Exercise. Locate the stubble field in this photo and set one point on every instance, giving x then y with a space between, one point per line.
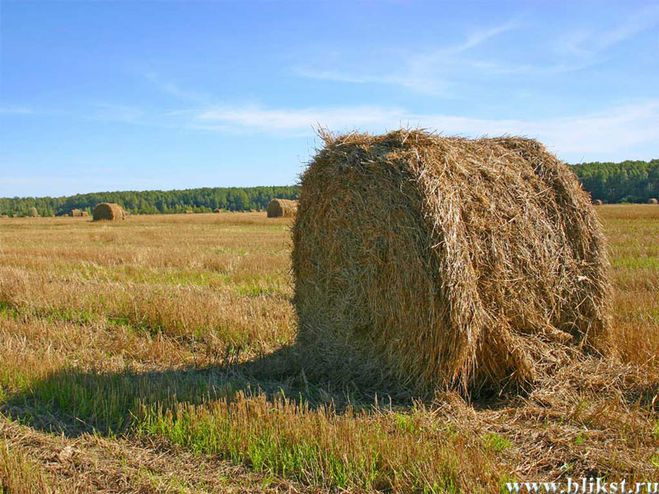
157 355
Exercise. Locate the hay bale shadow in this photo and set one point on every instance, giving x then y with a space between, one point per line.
74 402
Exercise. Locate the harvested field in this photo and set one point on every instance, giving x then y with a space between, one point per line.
159 355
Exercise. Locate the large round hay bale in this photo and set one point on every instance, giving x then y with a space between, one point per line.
597 202
436 262
108 211
282 207
653 201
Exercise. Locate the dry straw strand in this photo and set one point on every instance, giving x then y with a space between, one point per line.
435 262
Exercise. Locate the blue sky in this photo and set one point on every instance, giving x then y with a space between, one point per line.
101 96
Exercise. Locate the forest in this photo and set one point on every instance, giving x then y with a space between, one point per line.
627 181
202 200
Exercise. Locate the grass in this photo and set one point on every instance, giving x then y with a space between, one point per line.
19 474
161 350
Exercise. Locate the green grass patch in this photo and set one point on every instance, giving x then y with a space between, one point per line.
496 443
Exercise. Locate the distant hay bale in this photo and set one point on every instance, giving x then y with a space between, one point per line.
108 211
76 212
653 201
218 210
33 212
84 213
282 207
597 202
436 262
189 211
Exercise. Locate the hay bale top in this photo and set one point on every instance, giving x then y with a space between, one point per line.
597 202
282 208
653 201
438 262
108 211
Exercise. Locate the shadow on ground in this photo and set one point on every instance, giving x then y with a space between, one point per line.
73 402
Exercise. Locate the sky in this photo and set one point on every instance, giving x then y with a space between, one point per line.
104 95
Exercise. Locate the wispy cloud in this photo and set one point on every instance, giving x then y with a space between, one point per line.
173 89
289 121
114 112
434 71
15 110
479 37
587 46
425 72
605 132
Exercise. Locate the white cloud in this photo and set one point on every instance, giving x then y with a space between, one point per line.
294 121
615 130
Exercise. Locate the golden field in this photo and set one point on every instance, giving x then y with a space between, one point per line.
157 355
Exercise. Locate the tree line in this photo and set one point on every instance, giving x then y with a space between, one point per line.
628 181
203 200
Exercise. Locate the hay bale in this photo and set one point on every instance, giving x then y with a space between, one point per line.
653 201
33 212
597 202
108 211
436 262
282 208
84 213
189 211
218 210
76 212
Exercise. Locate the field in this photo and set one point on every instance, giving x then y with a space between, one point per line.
157 355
